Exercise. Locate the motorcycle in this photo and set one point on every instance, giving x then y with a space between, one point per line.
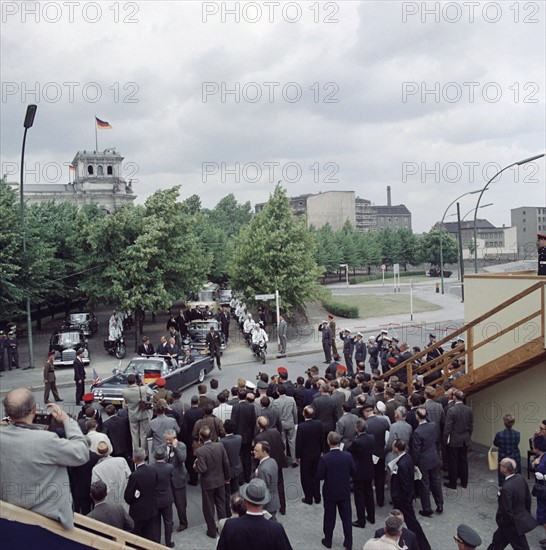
260 351
116 347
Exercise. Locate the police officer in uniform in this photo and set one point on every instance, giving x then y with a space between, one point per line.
13 351
3 342
541 253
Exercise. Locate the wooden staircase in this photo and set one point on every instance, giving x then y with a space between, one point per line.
479 376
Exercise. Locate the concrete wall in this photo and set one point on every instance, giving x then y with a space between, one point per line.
483 293
523 395
333 207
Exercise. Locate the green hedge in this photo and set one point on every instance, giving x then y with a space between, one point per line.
379 276
341 310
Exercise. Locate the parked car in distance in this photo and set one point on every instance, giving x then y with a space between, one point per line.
434 271
149 369
87 322
225 296
65 342
207 296
198 330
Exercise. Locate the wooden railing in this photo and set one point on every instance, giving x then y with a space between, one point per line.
88 532
464 352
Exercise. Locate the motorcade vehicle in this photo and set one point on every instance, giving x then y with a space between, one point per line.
198 330
148 370
206 296
86 321
66 342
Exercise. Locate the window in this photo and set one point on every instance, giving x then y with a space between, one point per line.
110 171
90 170
100 170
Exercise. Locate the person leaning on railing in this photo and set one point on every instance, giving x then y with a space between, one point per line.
33 474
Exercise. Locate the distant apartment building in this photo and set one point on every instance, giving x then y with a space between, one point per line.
336 207
528 221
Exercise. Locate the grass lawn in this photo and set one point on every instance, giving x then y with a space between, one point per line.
385 304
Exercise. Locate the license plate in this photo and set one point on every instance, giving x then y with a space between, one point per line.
116 401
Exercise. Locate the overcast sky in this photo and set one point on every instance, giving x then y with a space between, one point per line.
430 98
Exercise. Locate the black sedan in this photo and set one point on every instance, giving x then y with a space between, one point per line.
149 369
65 342
198 330
87 322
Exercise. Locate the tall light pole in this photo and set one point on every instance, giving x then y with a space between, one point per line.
519 163
442 230
29 121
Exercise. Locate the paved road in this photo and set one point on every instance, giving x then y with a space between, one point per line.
475 506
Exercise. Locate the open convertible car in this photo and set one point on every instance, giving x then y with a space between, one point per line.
149 369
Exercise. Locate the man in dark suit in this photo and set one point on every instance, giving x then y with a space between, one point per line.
146 349
308 451
164 495
244 416
192 415
276 450
117 430
140 495
214 345
457 435
223 319
175 452
406 539
425 456
111 513
326 412
362 450
212 463
402 486
348 350
513 517
377 426
327 337
232 445
252 530
163 348
336 469
79 376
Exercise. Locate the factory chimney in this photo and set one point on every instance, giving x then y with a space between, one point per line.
388 195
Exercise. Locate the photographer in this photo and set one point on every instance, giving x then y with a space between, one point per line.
33 473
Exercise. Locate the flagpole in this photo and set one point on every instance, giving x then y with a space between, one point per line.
96 138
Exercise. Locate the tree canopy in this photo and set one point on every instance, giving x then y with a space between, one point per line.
275 251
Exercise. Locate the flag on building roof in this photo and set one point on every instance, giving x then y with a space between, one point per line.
102 124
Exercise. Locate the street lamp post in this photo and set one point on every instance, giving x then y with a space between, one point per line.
442 230
519 163
29 121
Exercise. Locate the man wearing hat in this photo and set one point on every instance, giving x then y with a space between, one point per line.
541 238
162 393
434 353
327 338
348 349
79 375
252 531
50 383
333 329
467 538
360 349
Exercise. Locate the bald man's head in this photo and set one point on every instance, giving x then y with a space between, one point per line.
18 404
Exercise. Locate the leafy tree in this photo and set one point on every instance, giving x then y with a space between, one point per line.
430 247
11 290
348 246
389 246
276 252
145 256
328 253
230 216
406 248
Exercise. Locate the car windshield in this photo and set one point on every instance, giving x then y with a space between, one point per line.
206 296
142 366
204 325
78 317
67 338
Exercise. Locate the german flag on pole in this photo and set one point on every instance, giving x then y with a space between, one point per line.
102 124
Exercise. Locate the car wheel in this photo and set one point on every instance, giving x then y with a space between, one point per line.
201 376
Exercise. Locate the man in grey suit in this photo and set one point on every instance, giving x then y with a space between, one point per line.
288 413
399 430
138 419
113 514
232 445
283 326
175 451
160 424
212 463
268 470
345 426
32 458
513 517
425 457
457 435
435 413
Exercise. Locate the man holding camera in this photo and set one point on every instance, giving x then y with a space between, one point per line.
34 464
